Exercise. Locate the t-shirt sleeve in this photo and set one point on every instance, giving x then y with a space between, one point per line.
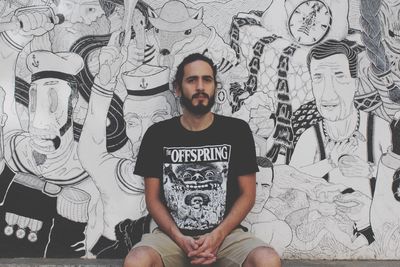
148 162
244 161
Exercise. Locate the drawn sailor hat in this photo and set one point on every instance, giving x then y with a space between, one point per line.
146 80
174 16
46 64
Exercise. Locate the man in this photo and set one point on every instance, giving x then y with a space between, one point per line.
192 154
343 147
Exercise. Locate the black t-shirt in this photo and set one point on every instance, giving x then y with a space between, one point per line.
198 169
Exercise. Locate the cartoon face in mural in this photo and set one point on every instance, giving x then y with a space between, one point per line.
83 11
175 26
82 18
333 86
52 96
149 101
263 186
50 109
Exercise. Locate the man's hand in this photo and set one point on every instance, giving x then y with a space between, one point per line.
187 243
208 247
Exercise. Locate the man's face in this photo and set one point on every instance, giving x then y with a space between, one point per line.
197 90
141 114
333 87
49 104
263 188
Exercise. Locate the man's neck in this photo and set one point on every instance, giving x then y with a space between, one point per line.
342 129
196 123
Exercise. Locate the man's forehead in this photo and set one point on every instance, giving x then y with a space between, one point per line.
197 68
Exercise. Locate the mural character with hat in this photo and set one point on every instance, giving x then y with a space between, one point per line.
45 158
148 100
180 31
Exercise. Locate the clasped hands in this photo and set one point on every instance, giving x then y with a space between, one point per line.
201 250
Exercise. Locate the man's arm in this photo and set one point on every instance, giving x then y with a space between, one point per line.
161 216
209 243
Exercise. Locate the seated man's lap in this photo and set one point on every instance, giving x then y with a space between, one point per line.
232 253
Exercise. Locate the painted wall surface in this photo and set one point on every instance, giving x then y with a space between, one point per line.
82 80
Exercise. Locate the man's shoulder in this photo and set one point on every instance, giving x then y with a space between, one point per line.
164 125
231 121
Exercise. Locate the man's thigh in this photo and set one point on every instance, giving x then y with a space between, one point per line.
236 247
171 254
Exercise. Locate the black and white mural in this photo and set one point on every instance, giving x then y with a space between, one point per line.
318 81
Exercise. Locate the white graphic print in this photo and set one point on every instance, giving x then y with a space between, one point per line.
195 180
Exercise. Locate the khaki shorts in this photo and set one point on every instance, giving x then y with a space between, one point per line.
232 253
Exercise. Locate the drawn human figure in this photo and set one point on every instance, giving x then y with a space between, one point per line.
179 31
260 220
346 145
45 158
386 201
148 100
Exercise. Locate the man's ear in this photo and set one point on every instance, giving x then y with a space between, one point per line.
177 89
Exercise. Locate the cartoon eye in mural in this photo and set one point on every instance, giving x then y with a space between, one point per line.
32 97
310 22
53 100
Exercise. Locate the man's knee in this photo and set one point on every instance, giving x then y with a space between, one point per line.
143 257
262 256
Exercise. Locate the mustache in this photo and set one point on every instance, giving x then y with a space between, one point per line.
200 94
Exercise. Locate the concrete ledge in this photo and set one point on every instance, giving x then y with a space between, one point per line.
28 262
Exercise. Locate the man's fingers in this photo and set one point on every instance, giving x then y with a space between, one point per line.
203 260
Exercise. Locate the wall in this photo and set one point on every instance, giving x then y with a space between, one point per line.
67 188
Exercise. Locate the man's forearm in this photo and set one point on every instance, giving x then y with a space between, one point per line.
236 215
162 217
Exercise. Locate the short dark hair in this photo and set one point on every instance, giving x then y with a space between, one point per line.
334 47
177 82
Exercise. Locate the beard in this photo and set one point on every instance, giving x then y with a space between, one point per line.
66 34
199 109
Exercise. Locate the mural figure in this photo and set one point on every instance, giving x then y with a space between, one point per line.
46 158
342 148
148 100
180 31
261 221
343 145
